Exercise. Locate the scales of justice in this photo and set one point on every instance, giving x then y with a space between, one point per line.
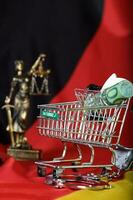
39 77
17 106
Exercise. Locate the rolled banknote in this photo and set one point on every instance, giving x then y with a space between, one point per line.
116 90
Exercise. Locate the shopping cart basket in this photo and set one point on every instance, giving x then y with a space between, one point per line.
87 121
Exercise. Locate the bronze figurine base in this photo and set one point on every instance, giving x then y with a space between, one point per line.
24 154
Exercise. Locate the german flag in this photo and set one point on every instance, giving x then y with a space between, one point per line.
85 42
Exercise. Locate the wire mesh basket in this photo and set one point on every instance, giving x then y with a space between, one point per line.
86 121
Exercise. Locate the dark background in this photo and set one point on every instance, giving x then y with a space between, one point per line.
60 29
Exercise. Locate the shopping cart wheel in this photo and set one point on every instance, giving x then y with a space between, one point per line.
41 171
104 171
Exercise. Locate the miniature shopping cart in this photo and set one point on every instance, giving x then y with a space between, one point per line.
87 121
